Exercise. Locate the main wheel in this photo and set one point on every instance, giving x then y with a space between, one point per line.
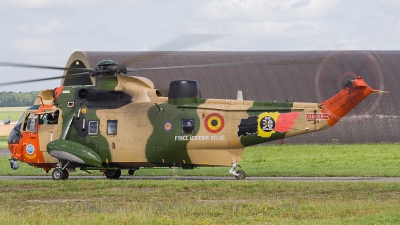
117 174
112 174
57 174
240 175
66 174
131 172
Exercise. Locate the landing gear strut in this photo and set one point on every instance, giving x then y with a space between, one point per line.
131 171
240 174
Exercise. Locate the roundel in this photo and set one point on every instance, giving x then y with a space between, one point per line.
214 123
30 149
168 126
267 123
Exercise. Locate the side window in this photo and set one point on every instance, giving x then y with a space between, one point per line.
111 127
31 122
187 126
93 127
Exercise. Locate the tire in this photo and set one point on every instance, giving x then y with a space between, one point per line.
66 174
241 175
112 174
57 174
117 174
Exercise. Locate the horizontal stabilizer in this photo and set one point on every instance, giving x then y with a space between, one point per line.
380 92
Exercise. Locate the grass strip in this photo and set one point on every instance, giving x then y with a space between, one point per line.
198 202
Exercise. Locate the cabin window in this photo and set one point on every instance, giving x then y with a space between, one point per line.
93 127
111 127
187 126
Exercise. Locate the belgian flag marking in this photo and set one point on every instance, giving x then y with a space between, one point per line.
214 123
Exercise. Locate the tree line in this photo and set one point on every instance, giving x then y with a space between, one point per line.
17 99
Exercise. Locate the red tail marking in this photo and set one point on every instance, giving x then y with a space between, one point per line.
344 101
286 121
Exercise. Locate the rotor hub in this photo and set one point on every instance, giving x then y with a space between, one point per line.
106 63
107 68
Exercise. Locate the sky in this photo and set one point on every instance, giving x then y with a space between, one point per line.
47 32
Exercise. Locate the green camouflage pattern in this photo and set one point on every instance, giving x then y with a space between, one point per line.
151 129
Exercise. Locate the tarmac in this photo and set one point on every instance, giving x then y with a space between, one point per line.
5 152
206 178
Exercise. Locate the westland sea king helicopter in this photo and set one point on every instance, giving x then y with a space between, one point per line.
124 123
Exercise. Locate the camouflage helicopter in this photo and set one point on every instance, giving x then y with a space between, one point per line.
124 123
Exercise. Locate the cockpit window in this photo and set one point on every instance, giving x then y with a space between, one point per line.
49 118
31 121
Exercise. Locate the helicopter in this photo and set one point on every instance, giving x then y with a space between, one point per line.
124 123
7 121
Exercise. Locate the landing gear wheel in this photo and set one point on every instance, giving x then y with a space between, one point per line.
112 174
131 172
241 175
57 174
66 174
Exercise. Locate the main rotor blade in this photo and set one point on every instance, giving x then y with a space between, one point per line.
216 65
44 79
44 67
174 45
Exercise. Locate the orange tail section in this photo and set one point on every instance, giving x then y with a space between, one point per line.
344 101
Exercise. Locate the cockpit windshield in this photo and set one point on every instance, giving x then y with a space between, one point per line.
15 133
